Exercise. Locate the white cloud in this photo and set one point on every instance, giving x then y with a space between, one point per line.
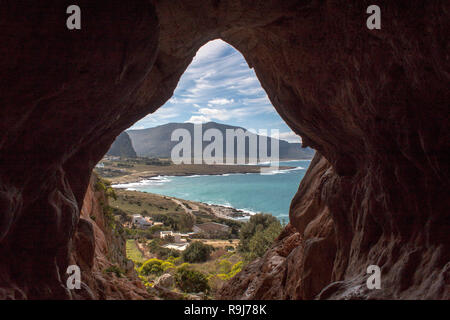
257 100
218 86
221 101
213 49
218 114
289 136
198 119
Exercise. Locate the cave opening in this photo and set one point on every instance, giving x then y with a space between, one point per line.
217 98
218 95
221 97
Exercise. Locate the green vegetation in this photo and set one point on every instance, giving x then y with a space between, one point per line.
164 209
105 186
207 277
133 253
157 162
258 234
189 280
124 165
176 221
229 270
155 247
152 266
114 269
206 215
197 251
146 204
199 268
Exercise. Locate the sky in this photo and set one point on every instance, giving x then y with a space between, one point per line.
219 86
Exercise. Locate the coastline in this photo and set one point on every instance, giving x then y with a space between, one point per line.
189 207
190 170
130 181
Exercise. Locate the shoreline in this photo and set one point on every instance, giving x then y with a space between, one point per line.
138 177
193 208
128 183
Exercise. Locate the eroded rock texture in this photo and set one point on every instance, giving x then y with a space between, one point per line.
374 103
99 249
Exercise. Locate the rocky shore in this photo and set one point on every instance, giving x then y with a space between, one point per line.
133 176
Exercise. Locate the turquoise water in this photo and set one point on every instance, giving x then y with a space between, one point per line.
251 192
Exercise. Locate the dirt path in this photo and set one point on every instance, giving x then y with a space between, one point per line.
144 251
186 209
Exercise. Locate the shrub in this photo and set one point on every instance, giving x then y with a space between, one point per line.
191 280
167 265
232 271
114 269
105 186
184 265
237 267
261 241
258 234
174 260
225 266
151 266
197 252
162 253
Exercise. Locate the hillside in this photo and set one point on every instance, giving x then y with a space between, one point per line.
122 147
99 249
156 142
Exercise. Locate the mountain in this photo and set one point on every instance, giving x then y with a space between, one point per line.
156 142
122 147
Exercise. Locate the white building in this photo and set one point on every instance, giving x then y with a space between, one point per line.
163 234
176 246
141 222
178 237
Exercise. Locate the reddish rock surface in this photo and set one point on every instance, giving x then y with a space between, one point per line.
97 247
274 276
374 103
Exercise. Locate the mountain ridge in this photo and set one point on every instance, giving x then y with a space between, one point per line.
156 141
122 147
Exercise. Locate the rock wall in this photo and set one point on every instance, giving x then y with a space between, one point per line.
373 103
97 247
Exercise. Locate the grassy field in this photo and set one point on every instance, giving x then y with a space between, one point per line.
133 252
147 204
221 243
212 265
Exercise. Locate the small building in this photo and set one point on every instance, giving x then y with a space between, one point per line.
163 234
212 229
176 246
100 165
178 237
141 222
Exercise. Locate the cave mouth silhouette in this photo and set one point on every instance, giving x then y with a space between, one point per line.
369 101
217 90
218 87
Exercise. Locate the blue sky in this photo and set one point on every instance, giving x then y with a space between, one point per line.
219 86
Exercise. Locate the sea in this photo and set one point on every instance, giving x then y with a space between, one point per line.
252 193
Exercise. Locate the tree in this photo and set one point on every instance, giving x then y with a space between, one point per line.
256 223
258 234
197 251
191 280
151 266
